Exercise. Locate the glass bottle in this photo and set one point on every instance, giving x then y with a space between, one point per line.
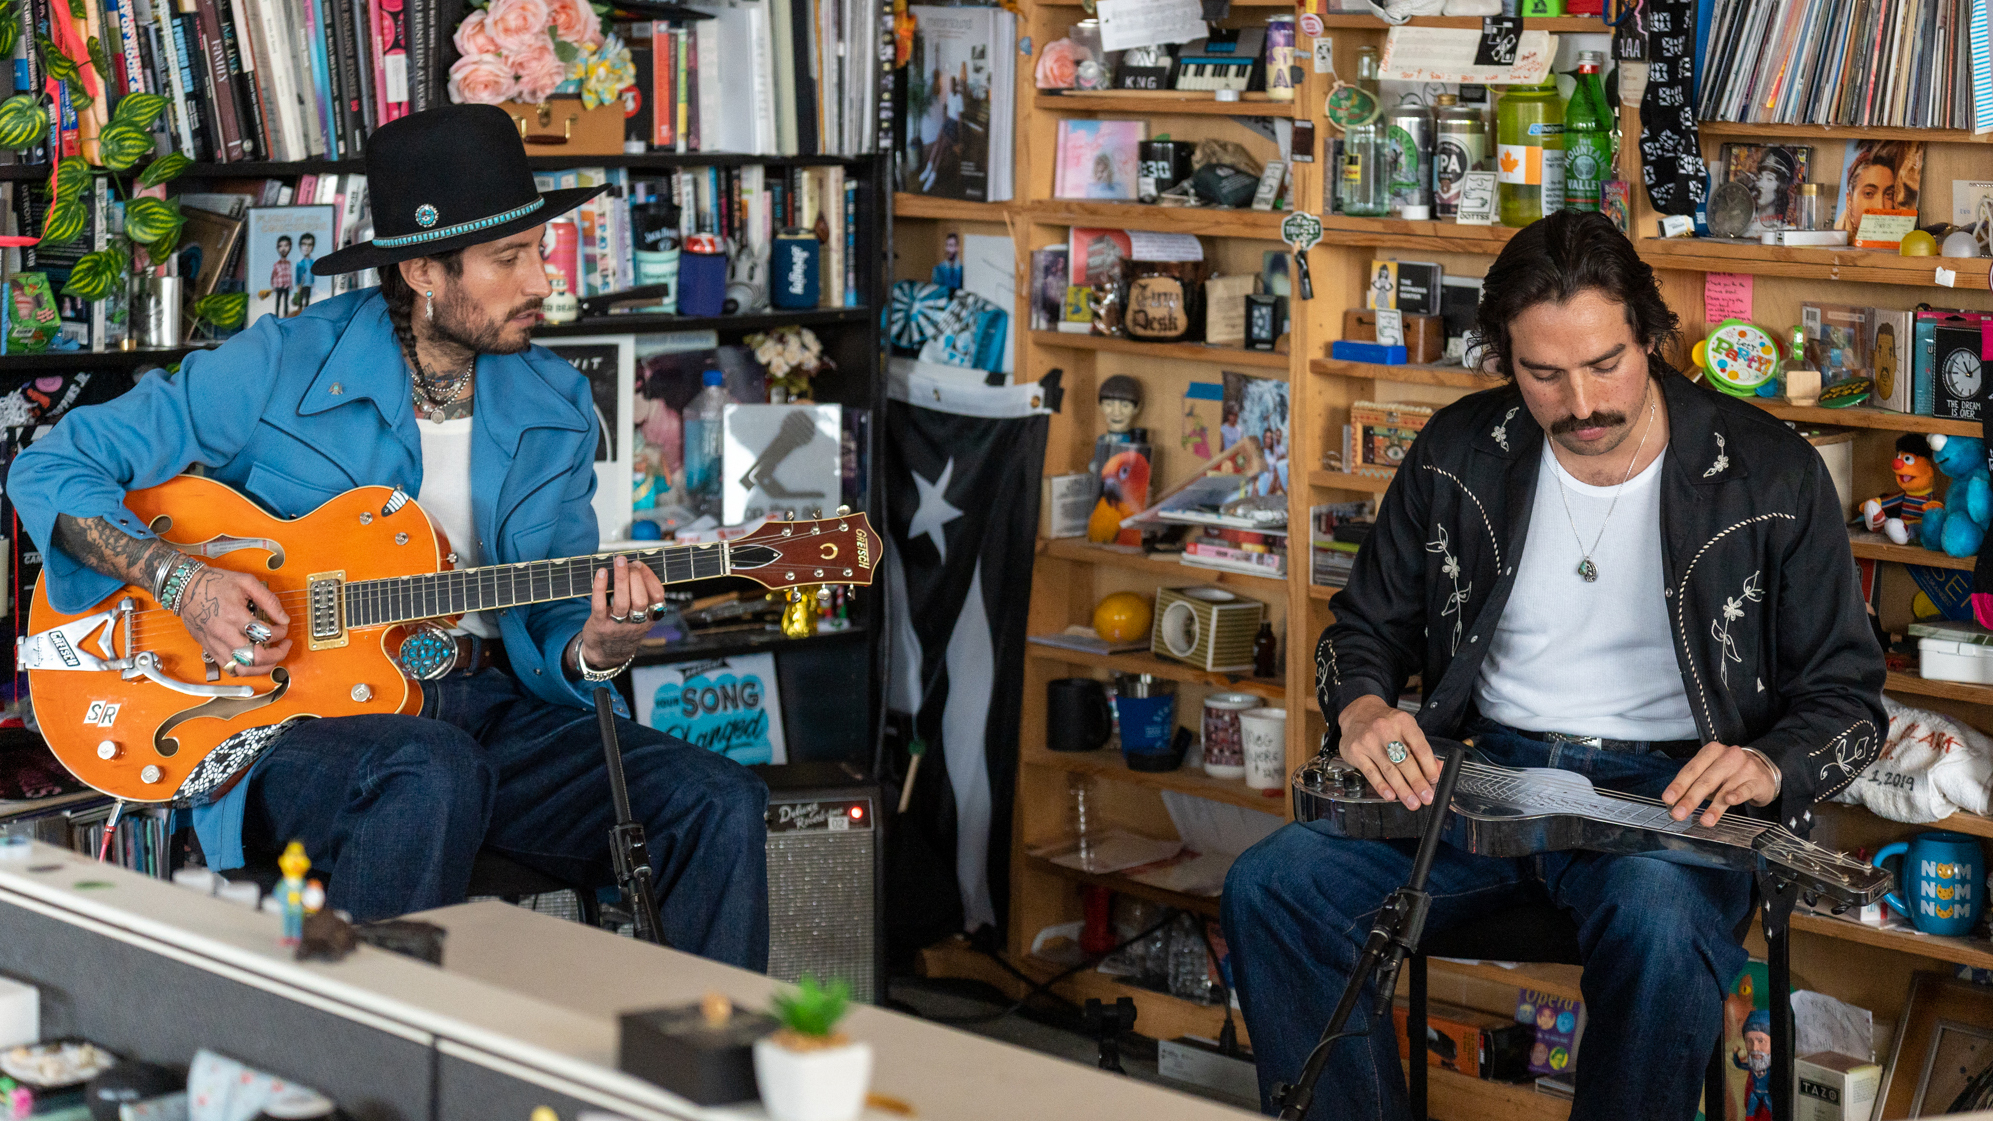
1588 129
1529 152
1364 186
1809 206
1266 651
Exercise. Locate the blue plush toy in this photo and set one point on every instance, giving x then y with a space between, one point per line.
1960 525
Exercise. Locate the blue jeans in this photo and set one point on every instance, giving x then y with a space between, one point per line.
1657 939
394 808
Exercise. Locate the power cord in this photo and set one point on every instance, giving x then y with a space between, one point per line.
1044 988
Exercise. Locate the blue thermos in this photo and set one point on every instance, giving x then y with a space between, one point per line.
795 271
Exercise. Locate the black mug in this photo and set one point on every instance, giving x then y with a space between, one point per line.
1076 715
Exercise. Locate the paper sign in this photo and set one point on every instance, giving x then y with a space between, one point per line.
1884 229
1477 199
1726 295
1325 56
1390 327
1145 23
1945 277
731 706
1446 54
1146 245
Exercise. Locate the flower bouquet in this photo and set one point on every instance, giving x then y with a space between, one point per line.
550 65
792 356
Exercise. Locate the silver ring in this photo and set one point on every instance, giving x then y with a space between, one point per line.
256 632
657 610
1395 752
243 655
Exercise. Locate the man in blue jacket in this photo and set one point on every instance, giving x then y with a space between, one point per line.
431 383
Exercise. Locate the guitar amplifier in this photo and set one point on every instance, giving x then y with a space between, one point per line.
826 863
1224 60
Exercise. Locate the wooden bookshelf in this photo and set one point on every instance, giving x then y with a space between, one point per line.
1959 822
1157 667
1556 25
1457 377
1188 352
1734 130
1952 690
1434 236
1874 546
1205 221
947 210
1958 951
1108 764
1159 1015
1344 480
1862 416
1163 101
1866 266
1165 567
1195 904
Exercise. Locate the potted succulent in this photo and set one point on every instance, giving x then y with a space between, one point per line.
808 1070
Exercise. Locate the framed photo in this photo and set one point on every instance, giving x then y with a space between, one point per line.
779 458
207 247
1878 175
1772 173
1943 1047
609 362
729 705
283 241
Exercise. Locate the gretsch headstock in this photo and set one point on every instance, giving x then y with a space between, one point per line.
838 550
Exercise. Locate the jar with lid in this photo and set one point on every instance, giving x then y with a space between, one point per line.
1809 206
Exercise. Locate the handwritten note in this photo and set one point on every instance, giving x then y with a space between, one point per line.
1726 295
1446 54
1145 23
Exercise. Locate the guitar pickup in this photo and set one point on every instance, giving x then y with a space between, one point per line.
325 610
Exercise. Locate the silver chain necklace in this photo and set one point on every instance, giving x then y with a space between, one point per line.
435 404
1586 568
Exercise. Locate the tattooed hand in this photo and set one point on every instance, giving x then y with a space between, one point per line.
217 606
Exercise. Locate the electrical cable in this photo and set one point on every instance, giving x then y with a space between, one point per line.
1044 988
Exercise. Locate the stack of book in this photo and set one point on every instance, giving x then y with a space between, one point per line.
1237 550
1893 63
1336 531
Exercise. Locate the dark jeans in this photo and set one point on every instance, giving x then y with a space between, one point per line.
394 808
1656 938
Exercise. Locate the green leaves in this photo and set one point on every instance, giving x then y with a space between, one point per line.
60 66
97 275
139 110
564 50
812 1009
77 9
165 169
150 220
121 145
65 221
10 26
225 310
23 121
69 178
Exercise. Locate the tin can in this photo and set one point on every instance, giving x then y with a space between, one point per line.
560 248
1460 145
1280 58
1408 131
1163 164
795 269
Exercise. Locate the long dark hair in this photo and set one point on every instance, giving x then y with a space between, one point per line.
1554 259
400 297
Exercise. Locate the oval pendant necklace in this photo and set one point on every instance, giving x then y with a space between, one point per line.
1586 568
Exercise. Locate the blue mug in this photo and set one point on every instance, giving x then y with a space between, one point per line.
1147 708
1942 873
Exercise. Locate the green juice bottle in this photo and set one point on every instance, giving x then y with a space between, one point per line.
1588 131
1529 152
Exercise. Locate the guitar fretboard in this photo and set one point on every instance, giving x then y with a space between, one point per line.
407 599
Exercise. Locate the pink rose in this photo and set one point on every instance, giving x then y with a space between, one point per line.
575 21
1058 67
516 25
481 79
539 71
472 38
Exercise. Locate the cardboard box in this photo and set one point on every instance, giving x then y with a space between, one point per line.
1832 1087
1473 1043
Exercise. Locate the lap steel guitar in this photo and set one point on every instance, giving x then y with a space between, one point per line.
129 703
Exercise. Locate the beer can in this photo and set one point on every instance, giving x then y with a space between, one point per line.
1408 131
1162 165
560 249
1280 58
1460 145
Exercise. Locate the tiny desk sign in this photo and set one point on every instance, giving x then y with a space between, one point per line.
1449 54
729 705
1726 295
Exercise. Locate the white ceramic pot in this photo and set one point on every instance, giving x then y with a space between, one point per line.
824 1085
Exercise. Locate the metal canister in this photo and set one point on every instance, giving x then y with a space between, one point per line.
1280 58
1408 131
1460 145
1163 164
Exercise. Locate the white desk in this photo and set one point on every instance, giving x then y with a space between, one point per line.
522 1013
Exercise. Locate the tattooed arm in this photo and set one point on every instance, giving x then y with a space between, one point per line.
215 607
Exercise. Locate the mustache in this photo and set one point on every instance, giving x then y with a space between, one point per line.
1571 424
532 305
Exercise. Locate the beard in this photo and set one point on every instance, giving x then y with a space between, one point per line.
461 322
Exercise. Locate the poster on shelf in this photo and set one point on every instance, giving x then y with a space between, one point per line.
609 363
283 243
729 705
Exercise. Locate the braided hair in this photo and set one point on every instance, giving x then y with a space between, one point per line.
400 297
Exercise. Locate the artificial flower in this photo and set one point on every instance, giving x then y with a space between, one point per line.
1058 66
575 21
517 25
472 38
539 71
484 79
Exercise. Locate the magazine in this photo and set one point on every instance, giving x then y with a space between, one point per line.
960 104
1097 159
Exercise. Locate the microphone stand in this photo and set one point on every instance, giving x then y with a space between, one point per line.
1400 924
626 837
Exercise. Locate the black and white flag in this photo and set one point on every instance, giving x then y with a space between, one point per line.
962 468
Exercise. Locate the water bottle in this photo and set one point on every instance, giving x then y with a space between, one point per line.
705 420
1364 180
1588 130
1529 152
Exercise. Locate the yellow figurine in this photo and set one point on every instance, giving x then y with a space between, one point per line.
290 892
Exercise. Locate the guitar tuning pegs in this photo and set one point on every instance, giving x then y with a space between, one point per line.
844 511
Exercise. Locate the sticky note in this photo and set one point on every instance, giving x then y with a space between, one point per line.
1946 278
1726 295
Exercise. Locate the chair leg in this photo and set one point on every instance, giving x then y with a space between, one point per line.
1415 1034
1713 1079
1779 897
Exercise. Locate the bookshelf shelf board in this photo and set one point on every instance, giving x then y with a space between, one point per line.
1870 266
1158 667
1746 131
1158 1015
1195 904
1162 101
1959 951
729 644
951 210
1428 236
265 169
1207 221
1079 550
1458 377
1959 821
1860 416
1106 763
1877 547
1344 480
1190 352
1322 592
93 359
1950 690
758 321
1570 25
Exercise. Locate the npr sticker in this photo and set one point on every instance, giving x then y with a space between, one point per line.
103 714
729 705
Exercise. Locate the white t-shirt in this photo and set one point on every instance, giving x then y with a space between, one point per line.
1592 659
446 498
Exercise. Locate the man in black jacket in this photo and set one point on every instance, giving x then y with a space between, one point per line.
1658 596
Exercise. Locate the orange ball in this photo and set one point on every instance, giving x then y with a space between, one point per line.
1122 617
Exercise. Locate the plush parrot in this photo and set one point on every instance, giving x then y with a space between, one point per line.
1124 492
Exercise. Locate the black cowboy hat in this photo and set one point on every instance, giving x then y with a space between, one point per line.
444 179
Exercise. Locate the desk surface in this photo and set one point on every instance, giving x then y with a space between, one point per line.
539 997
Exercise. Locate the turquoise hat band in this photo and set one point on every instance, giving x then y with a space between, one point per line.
460 228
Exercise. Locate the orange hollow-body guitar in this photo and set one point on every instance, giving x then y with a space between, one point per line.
130 705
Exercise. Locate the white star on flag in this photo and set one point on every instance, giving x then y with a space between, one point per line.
934 511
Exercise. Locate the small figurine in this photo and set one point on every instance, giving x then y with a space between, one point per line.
1121 461
1120 401
1755 1059
290 891
1893 514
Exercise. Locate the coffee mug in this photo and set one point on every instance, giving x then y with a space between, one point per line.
1265 733
1224 743
1076 716
1147 705
1942 873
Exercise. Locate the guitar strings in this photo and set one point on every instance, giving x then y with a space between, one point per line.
1733 831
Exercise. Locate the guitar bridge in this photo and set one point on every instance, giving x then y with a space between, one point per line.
64 647
325 609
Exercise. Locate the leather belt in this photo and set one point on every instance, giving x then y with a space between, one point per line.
475 654
1676 749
